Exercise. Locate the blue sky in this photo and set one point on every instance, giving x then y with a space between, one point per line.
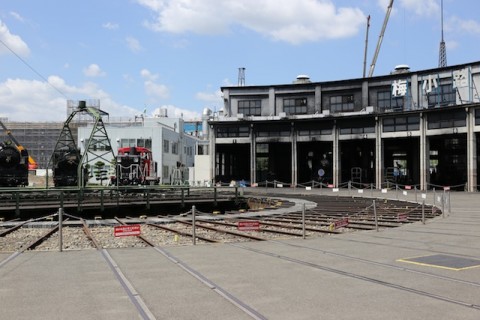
147 54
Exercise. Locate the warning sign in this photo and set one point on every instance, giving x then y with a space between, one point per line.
125 231
252 225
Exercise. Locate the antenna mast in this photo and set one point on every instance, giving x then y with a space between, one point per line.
442 56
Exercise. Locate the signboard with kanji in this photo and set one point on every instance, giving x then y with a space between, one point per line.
127 230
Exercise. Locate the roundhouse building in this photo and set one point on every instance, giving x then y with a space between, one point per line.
416 128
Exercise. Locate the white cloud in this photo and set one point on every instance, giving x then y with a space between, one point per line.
456 24
152 88
421 8
156 89
13 42
17 16
93 70
33 100
214 98
110 26
418 7
175 112
146 74
283 20
133 44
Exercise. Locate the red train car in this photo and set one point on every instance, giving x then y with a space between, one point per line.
135 166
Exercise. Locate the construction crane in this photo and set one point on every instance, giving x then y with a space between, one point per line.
32 164
380 38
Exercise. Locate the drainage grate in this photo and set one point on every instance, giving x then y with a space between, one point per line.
444 261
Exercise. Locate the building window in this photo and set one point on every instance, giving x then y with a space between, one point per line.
447 120
127 143
444 95
314 129
273 131
165 172
357 127
387 102
341 103
145 143
477 117
233 131
175 147
250 107
166 146
396 124
295 106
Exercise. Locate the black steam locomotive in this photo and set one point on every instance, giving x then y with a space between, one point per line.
13 165
65 168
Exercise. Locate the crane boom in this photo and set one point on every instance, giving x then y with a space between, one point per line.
366 47
380 38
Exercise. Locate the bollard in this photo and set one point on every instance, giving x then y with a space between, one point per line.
375 214
449 204
371 188
423 211
148 199
303 220
193 226
434 197
443 206
416 200
60 227
102 208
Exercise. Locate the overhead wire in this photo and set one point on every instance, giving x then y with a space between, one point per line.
33 69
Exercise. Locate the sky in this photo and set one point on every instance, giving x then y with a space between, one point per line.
137 56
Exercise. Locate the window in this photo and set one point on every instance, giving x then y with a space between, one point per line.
250 107
357 127
236 131
146 143
385 101
341 103
274 131
409 123
127 143
315 129
165 172
175 147
444 95
295 106
166 146
447 120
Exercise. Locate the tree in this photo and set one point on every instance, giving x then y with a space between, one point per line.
100 171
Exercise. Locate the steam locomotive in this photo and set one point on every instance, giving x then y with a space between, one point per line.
13 165
135 166
65 167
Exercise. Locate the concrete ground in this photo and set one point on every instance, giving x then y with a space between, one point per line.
416 271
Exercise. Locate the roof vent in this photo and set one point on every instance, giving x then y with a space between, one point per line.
401 68
302 78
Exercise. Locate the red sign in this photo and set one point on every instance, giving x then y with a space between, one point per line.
402 217
340 223
408 187
446 188
248 225
330 185
125 231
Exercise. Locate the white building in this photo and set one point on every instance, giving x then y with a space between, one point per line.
172 149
